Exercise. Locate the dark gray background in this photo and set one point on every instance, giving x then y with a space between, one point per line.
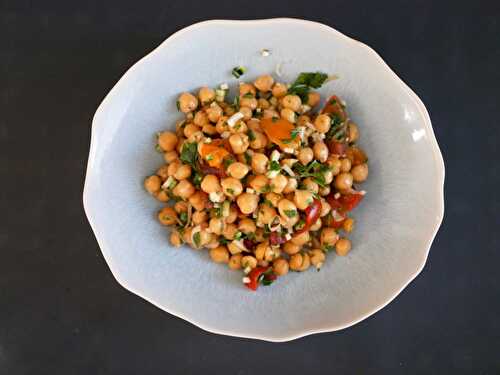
61 311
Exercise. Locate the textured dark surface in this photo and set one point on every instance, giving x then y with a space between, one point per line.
61 311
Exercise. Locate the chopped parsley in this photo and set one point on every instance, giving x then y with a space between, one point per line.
251 135
290 213
238 235
227 162
189 154
183 217
275 119
197 239
293 136
274 166
248 158
328 248
223 241
230 191
238 71
337 129
248 95
158 148
210 157
305 81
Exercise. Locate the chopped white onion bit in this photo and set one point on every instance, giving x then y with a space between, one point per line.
250 190
275 155
170 180
272 174
216 196
265 52
246 280
235 118
288 170
288 236
336 195
224 86
225 134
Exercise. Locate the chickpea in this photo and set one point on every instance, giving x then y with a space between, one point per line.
210 184
288 210
249 261
348 225
313 98
263 103
292 102
310 185
247 88
199 217
247 226
328 236
279 89
302 199
254 124
259 140
214 112
233 248
270 113
175 239
264 83
280 267
198 200
328 175
251 103
231 186
305 155
235 262
229 231
289 115
152 184
343 246
263 251
246 112
229 111
180 206
209 129
239 143
334 163
167 141
301 238
259 163
184 189
273 198
322 123
162 172
216 225
167 216
183 172
343 181
291 186
221 125
219 254
190 130
259 235
237 170
278 183
302 120
233 215
352 132
316 226
345 165
324 191
259 183
200 119
180 143
320 151
360 172
213 244
247 202
317 257
290 248
299 262
186 236
265 215
162 196
172 168
187 102
170 156
206 95
325 208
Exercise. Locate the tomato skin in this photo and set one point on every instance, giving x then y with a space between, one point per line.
337 148
254 277
344 203
313 212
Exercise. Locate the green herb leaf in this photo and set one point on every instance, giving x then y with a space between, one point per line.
223 241
248 95
274 166
158 148
328 248
251 135
238 235
178 104
290 213
268 202
183 217
305 81
275 119
230 191
248 158
228 161
197 178
189 154
197 239
238 71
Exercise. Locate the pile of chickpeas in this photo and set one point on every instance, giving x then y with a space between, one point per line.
233 209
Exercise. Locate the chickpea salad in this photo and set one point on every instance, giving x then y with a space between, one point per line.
265 182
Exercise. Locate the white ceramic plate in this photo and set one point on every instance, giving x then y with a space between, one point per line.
396 222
